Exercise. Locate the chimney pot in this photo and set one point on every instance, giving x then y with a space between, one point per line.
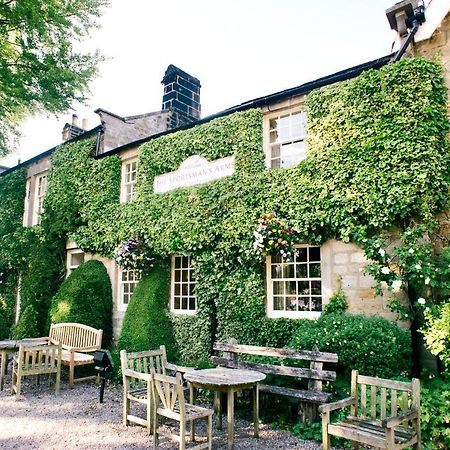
74 120
84 124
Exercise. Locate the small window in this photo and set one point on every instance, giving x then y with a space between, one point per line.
129 180
128 279
26 205
295 287
286 139
183 300
74 259
40 190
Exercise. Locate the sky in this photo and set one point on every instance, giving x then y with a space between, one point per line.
238 49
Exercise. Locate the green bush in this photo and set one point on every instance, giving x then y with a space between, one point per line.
85 297
337 303
435 414
27 326
372 345
146 324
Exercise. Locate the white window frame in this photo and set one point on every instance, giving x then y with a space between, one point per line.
40 189
26 203
71 267
175 280
273 313
268 146
128 191
121 304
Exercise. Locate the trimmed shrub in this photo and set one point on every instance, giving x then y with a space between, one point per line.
27 326
85 297
372 345
435 413
337 303
146 324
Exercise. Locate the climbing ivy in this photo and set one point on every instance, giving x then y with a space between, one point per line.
377 157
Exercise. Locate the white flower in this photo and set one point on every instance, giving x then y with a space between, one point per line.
421 301
385 270
427 280
396 285
381 252
411 250
418 266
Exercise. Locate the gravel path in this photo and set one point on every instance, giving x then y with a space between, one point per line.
75 420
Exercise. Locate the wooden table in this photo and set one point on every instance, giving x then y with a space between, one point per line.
11 346
230 381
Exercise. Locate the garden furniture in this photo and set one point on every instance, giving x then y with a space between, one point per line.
374 417
136 370
11 346
76 340
168 397
230 381
36 360
309 398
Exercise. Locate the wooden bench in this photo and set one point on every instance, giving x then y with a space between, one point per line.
76 341
374 414
309 398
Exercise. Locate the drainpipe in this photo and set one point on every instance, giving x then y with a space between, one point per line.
415 26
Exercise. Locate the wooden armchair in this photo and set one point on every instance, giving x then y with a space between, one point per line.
374 417
36 360
169 401
136 370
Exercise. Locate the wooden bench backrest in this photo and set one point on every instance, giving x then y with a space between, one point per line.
314 373
76 336
378 398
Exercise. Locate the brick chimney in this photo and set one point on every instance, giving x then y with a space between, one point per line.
181 93
73 130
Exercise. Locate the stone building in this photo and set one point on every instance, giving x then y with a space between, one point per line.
334 264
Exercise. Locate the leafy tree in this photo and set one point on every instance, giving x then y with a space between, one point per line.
40 70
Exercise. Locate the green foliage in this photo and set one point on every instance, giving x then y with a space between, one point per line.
435 414
146 324
85 297
437 332
337 303
40 70
372 345
27 326
8 295
308 430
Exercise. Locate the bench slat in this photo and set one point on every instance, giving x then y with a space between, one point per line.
305 355
301 372
310 396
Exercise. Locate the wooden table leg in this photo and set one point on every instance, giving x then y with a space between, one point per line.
4 358
192 423
256 409
218 408
230 418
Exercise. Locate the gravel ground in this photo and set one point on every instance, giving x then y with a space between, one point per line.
75 420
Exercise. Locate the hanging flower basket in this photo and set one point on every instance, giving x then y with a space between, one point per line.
134 254
273 237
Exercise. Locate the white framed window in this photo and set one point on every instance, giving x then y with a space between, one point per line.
39 193
26 203
128 279
294 288
129 180
285 137
75 258
182 298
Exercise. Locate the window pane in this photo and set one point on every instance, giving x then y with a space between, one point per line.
177 289
303 304
177 262
293 153
303 287
302 271
316 287
302 254
316 304
278 287
278 304
177 276
192 303
291 304
314 270
314 254
177 303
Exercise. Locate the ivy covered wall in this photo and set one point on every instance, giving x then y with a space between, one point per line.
377 158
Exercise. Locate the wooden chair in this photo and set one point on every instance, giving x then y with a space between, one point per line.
374 414
136 370
36 360
169 401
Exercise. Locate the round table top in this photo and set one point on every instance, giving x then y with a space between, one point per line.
11 344
221 376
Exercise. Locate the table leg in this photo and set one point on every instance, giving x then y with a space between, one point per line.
218 408
256 409
4 358
191 423
230 418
